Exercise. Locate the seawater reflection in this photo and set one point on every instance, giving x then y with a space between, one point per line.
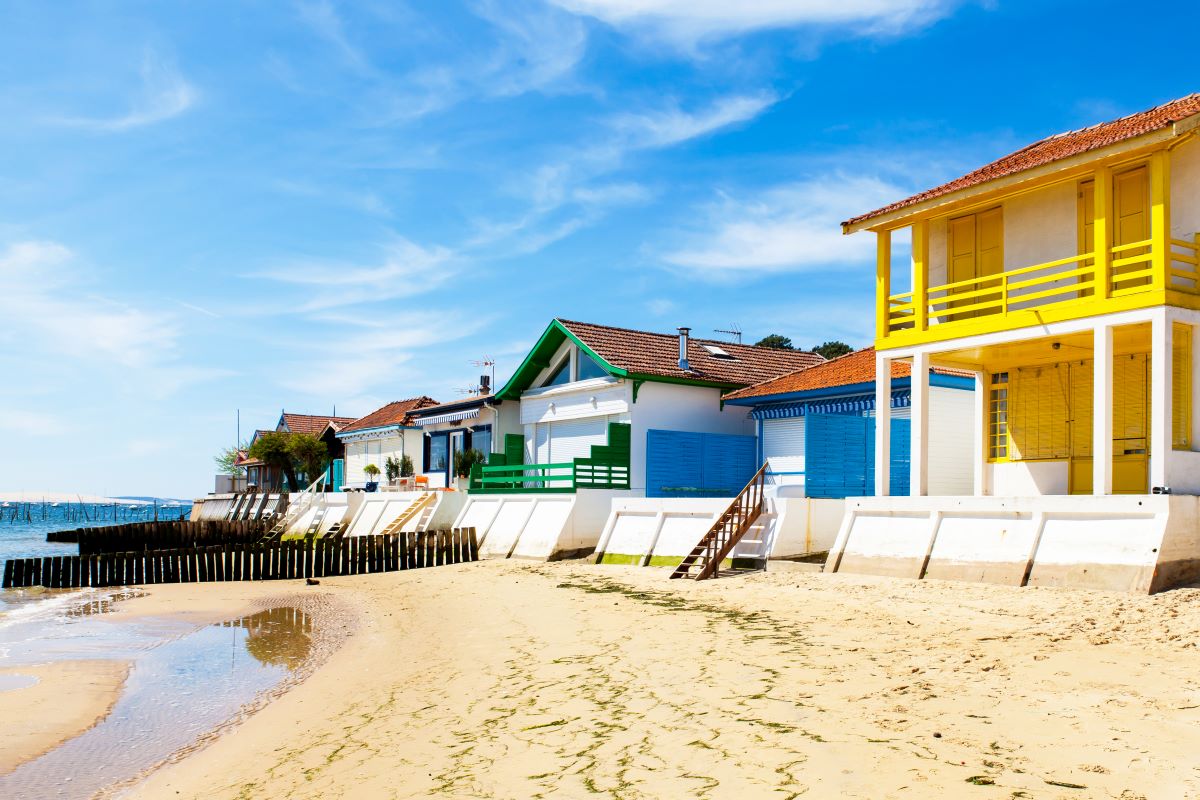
177 692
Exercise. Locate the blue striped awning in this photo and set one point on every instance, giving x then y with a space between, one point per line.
851 404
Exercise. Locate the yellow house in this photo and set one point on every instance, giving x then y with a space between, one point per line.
1065 276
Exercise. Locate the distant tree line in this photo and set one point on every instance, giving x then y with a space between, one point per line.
825 349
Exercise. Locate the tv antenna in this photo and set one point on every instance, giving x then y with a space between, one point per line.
486 382
734 331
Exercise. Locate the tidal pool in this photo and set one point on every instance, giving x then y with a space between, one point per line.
184 687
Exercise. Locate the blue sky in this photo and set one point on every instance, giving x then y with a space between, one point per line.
212 206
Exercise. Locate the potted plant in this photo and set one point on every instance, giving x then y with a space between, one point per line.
372 473
406 467
464 460
392 468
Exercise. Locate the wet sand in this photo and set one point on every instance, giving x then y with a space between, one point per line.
68 698
509 679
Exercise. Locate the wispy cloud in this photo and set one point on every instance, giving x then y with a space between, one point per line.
688 21
673 125
406 269
787 228
323 19
163 94
45 304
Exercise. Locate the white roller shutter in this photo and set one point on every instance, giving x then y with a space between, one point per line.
783 447
574 438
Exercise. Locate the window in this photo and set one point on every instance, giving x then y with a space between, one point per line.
481 440
588 368
439 453
560 375
998 417
1181 387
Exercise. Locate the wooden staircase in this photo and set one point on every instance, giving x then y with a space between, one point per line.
705 559
423 505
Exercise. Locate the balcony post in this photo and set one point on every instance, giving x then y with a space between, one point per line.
1160 217
980 450
1161 375
1102 232
883 282
920 277
883 424
918 470
1102 411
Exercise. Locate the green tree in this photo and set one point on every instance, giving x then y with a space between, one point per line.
227 459
775 342
310 455
832 349
274 449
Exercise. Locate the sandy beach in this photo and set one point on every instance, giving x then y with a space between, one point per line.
68 698
508 679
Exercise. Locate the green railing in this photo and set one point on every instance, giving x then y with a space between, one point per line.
523 477
607 468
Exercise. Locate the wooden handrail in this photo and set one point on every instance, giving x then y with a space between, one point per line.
727 531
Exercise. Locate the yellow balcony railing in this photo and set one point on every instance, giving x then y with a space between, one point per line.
1061 289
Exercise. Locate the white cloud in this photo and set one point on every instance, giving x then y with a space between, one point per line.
324 20
43 305
688 21
164 94
788 228
407 269
33 423
672 125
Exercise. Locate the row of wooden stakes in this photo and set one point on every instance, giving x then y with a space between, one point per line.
314 558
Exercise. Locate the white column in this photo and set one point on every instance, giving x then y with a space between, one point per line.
1161 416
980 460
918 473
1102 411
883 423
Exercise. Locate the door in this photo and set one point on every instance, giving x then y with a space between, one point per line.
783 449
1131 223
975 250
1087 228
1130 432
456 447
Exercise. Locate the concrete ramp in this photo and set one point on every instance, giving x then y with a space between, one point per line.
1130 543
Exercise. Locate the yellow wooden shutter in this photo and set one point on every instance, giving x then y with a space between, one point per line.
1130 383
1181 387
1131 206
1081 409
962 249
990 242
1039 421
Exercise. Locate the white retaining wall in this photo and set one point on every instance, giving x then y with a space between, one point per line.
537 526
661 531
1134 543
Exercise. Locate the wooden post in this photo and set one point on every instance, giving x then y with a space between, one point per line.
474 544
1160 218
883 282
920 277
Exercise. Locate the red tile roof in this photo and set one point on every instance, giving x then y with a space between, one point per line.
852 368
396 413
1055 148
312 423
657 354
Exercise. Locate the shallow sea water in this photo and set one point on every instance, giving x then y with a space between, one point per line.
187 683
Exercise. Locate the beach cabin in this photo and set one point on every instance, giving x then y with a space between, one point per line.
473 423
608 412
816 428
815 436
1064 278
270 479
385 433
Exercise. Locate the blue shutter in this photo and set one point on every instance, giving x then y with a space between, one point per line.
898 477
686 464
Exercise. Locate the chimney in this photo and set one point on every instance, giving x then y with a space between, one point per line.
485 384
683 343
